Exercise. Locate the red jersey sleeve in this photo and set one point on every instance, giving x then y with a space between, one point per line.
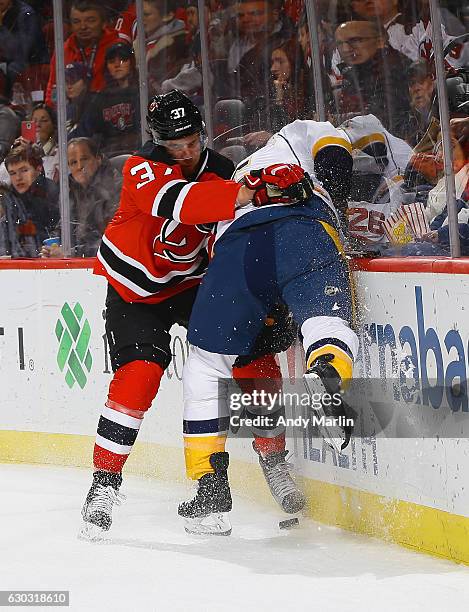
160 190
126 24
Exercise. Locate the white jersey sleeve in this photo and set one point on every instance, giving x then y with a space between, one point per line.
299 142
367 133
365 219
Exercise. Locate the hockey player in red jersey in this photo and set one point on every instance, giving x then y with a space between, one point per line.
153 255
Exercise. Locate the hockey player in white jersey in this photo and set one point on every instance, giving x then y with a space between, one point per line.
392 154
290 254
379 163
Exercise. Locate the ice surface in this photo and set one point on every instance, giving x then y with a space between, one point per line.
150 564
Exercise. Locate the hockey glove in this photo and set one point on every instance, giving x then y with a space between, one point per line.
279 175
277 335
279 183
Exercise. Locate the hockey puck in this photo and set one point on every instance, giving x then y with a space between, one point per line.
288 523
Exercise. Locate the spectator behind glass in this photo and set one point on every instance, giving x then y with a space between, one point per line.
374 80
126 24
46 120
422 101
192 20
286 100
189 78
114 117
436 211
166 50
87 44
409 29
304 39
259 29
9 126
94 196
253 18
22 43
78 96
326 48
31 204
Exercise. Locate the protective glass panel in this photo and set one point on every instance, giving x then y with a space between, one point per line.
259 77
99 87
381 88
24 72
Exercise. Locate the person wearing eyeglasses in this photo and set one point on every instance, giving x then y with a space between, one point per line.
423 100
409 29
373 75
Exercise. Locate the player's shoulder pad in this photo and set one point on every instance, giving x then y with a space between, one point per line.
219 164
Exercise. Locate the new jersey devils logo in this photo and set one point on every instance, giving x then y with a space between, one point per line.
180 243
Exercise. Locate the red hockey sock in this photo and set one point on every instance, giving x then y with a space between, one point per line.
265 370
131 392
262 374
265 446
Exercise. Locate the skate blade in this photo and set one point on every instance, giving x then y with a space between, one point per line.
333 435
91 533
213 524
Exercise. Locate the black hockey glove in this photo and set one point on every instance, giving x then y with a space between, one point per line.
277 335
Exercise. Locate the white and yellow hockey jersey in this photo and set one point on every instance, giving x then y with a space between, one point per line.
367 134
365 219
318 147
391 155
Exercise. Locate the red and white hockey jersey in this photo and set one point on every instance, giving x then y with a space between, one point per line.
126 24
156 244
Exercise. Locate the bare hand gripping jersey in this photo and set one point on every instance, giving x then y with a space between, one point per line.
156 244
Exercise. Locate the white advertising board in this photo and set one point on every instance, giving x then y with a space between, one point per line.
54 375
416 322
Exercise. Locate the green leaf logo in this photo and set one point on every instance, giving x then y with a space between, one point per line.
73 334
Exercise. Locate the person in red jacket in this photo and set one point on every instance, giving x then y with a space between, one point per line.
87 44
153 255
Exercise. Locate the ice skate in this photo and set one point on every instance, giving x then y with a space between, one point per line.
97 509
207 512
334 418
282 486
